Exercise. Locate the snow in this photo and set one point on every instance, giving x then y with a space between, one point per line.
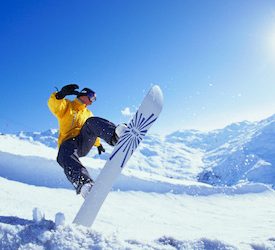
157 202
37 215
229 220
59 219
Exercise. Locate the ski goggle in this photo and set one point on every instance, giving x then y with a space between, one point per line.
91 96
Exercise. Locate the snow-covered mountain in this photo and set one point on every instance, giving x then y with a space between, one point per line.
240 152
247 156
210 140
48 137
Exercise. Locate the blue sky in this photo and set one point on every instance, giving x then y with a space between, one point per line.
214 60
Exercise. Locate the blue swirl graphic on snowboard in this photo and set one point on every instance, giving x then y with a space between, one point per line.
133 135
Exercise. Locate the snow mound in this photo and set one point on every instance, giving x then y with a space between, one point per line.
17 233
202 243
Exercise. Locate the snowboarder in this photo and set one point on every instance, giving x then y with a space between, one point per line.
79 131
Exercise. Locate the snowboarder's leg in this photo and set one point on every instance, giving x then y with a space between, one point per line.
68 159
95 127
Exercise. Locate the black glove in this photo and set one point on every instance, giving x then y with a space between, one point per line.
100 149
67 90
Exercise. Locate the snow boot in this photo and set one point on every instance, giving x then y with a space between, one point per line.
84 186
118 132
86 189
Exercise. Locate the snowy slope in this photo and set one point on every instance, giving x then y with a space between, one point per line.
240 152
159 188
19 162
155 155
169 221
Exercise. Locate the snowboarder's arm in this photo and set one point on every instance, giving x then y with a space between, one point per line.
57 106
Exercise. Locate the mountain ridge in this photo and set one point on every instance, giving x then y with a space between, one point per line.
239 152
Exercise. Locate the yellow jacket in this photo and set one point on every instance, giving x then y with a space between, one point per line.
71 117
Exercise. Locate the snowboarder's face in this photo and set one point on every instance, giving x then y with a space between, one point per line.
86 100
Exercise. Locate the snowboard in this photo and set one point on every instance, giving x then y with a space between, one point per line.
137 128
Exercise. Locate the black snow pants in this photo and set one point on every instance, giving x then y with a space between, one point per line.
79 146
